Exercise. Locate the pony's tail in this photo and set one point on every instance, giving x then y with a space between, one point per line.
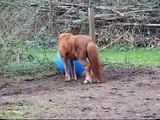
95 61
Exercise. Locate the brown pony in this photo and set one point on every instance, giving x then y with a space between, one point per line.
80 47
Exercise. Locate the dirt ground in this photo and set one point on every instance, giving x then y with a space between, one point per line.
126 93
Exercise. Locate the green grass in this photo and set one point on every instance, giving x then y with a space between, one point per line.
43 60
138 57
42 54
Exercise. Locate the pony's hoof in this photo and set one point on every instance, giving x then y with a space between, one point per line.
74 78
67 79
87 82
98 81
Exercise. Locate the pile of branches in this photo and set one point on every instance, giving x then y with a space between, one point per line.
136 23
116 22
104 14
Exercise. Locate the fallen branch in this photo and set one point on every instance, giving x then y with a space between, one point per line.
137 24
69 4
137 11
109 8
114 41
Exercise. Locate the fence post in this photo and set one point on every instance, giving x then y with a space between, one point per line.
91 20
50 16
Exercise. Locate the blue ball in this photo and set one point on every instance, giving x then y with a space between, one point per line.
78 66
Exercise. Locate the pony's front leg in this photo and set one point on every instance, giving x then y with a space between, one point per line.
88 71
67 75
74 76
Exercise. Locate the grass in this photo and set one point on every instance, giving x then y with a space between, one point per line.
35 63
42 54
138 57
36 60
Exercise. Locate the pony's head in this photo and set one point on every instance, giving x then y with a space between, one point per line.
64 36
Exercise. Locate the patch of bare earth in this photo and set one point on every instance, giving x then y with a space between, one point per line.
125 94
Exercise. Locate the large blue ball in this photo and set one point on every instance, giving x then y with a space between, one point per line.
78 66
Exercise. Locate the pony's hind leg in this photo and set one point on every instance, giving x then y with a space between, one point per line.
67 75
73 72
87 66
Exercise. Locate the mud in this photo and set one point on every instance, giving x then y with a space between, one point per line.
126 93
